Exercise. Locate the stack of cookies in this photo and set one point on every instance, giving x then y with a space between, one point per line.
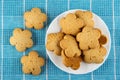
78 40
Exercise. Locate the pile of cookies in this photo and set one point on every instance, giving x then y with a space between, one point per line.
78 40
22 39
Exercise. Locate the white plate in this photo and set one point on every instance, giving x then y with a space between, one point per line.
84 68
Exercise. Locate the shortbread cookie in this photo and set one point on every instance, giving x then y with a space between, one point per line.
87 17
21 39
70 46
73 62
32 63
103 39
53 42
70 24
88 38
94 55
35 18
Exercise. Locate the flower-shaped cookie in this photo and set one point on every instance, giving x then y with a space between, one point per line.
86 16
53 40
32 63
21 39
35 18
73 62
70 46
94 55
71 24
88 38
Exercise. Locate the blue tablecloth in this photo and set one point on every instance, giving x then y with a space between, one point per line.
11 16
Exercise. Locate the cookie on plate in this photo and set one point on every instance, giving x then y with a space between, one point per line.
94 55
53 42
70 46
73 62
70 24
103 39
87 17
89 38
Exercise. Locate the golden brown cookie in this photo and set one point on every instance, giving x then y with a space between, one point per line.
88 38
35 18
53 42
70 46
87 17
103 39
21 39
70 24
94 55
32 63
73 62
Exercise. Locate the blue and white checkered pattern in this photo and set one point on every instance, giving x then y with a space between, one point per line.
11 16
